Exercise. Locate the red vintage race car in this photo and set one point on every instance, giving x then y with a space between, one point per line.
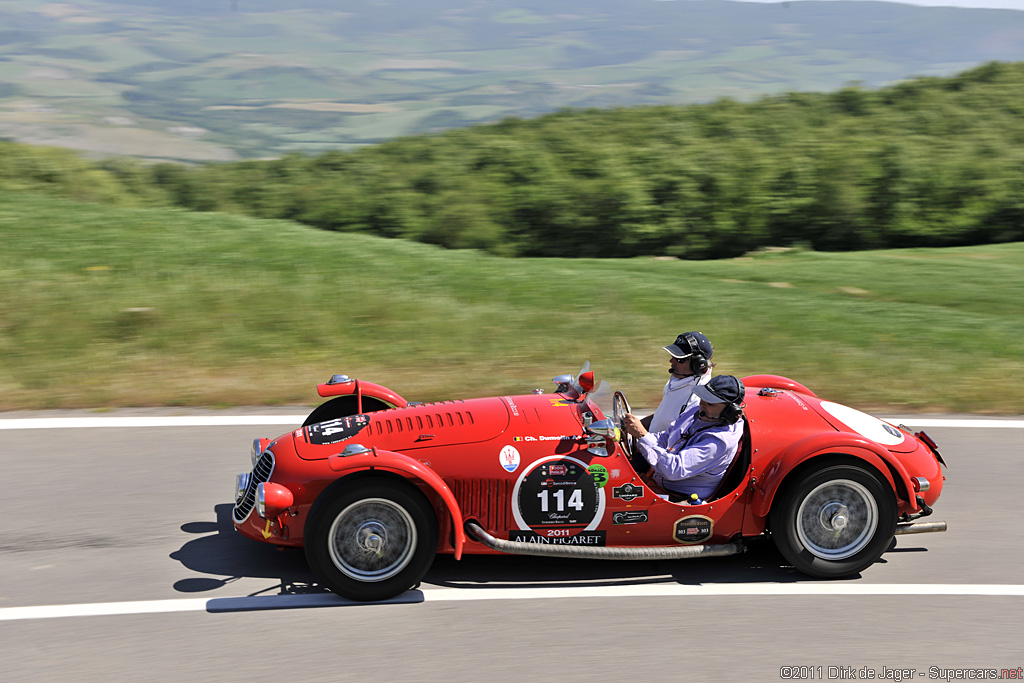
373 487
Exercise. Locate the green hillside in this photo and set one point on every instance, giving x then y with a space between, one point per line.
927 162
122 307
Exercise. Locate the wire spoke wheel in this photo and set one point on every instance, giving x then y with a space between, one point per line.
372 540
837 519
834 519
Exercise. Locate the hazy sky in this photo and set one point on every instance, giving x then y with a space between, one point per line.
978 4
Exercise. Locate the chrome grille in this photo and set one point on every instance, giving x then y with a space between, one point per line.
260 473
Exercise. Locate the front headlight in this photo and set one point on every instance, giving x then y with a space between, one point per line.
273 499
241 486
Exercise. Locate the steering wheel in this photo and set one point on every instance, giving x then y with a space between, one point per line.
620 406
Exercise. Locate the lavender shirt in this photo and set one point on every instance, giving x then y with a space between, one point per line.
691 456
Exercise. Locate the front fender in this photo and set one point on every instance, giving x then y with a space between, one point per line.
833 443
409 468
360 389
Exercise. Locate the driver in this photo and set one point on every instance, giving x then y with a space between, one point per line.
689 367
691 456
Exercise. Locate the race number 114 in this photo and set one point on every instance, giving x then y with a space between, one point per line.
575 500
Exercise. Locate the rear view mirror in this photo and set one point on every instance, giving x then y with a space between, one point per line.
605 428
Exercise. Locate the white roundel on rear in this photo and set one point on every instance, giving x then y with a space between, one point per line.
864 424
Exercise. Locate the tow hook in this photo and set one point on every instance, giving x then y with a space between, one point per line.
925 511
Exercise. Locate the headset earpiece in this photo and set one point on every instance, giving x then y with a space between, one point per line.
732 412
698 363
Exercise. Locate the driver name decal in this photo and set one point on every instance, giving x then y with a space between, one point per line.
564 437
333 431
559 498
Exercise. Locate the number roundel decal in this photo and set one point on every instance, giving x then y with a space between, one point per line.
558 493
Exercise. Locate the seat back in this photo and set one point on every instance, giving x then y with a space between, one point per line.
737 469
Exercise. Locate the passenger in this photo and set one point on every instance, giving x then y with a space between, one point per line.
691 457
689 366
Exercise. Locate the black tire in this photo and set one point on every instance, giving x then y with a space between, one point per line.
343 406
372 540
834 521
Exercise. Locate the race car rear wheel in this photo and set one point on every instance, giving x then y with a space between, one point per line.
373 540
834 520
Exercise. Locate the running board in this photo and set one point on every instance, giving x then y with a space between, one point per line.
919 528
477 533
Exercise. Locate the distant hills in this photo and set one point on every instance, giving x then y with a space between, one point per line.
192 80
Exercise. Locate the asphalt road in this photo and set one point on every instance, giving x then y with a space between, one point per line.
141 515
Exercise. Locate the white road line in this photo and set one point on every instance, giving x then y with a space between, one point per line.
276 602
155 421
296 420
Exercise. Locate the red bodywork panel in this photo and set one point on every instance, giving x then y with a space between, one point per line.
360 388
520 467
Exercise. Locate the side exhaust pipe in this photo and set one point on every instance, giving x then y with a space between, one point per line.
476 532
919 528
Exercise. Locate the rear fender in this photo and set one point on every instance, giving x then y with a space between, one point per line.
409 468
824 445
360 389
777 382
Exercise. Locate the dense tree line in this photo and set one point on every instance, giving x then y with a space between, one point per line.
926 162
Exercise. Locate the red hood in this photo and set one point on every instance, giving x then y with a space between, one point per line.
447 423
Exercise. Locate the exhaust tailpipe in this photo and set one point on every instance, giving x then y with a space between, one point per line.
919 528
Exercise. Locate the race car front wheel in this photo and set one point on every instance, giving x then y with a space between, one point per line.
835 520
372 540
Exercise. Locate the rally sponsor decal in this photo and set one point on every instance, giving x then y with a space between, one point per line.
628 492
599 473
509 458
693 529
333 431
558 537
558 497
629 517
512 405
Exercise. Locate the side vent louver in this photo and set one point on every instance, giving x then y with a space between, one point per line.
485 500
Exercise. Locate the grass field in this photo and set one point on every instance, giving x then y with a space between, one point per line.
102 307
